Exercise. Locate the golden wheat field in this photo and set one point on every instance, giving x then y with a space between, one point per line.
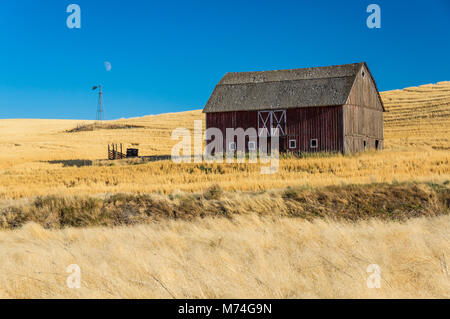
240 258
249 254
39 157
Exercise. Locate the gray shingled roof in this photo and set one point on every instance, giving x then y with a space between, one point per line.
245 91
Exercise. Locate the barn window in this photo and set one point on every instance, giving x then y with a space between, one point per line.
363 74
314 143
252 146
292 143
365 144
377 144
232 146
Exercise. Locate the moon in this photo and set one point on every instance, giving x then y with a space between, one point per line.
108 66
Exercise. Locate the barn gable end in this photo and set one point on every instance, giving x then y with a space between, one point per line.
364 91
363 115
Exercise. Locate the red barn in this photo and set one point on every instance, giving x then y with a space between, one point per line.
323 109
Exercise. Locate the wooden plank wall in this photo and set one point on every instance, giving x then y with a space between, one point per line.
235 119
321 123
303 124
363 116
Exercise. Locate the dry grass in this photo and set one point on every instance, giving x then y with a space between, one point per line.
247 257
259 250
397 202
38 157
167 176
101 126
418 117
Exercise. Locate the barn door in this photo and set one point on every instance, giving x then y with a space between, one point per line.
270 121
264 122
279 122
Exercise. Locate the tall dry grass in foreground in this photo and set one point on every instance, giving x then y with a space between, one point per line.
397 202
247 257
263 248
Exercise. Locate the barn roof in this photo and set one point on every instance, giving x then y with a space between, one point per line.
247 91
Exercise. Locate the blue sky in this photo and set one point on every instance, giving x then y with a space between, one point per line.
167 56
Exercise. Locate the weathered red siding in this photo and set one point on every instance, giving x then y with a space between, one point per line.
321 123
302 125
224 120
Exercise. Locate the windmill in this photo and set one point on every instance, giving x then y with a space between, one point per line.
99 116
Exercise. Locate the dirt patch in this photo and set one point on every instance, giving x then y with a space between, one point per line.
101 126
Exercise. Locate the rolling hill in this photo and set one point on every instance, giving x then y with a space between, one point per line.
166 230
40 157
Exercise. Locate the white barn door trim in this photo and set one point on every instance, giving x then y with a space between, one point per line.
274 120
264 122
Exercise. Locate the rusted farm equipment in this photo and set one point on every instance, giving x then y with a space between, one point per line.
132 152
114 152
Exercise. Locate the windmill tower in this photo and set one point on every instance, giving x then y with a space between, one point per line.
99 116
